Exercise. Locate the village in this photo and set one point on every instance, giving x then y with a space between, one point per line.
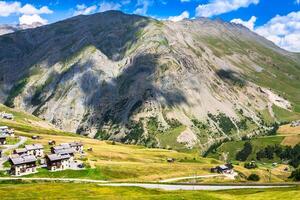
26 160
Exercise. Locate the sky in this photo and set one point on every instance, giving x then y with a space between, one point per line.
276 20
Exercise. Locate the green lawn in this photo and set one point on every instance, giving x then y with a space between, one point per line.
12 140
95 174
9 190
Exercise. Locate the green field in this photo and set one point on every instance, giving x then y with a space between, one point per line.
94 191
233 147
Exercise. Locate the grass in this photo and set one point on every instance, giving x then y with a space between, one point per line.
12 140
121 162
25 122
94 191
80 174
284 115
169 138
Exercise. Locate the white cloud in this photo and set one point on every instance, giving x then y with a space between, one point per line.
283 31
249 24
217 7
180 17
29 9
143 6
31 19
105 6
297 2
9 8
82 9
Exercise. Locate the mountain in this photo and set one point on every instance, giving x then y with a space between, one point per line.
5 29
159 83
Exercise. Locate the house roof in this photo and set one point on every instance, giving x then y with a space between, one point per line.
64 151
61 146
22 159
223 167
34 147
23 150
3 136
58 157
74 144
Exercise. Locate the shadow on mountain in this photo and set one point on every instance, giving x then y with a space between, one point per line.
116 101
231 77
111 32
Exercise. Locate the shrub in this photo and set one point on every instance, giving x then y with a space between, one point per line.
295 175
245 152
253 177
251 165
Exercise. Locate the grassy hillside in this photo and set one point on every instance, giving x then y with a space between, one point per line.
28 123
93 191
119 162
233 147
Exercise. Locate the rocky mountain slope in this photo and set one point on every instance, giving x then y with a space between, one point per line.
159 83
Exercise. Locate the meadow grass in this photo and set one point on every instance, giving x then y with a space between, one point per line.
94 191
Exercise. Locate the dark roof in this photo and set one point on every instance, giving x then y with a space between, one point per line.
33 146
23 150
3 136
74 144
22 159
64 151
61 146
57 157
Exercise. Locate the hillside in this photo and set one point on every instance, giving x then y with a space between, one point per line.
131 79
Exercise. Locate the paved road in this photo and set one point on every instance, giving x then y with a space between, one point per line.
190 177
151 185
190 187
4 158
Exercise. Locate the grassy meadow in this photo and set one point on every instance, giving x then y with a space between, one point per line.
94 191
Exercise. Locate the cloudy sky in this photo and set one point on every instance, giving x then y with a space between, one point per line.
277 20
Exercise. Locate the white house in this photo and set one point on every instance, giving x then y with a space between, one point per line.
57 162
5 115
6 131
77 146
35 150
22 165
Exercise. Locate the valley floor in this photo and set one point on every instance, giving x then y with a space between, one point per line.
95 191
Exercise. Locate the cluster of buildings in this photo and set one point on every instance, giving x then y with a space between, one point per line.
24 161
4 130
5 115
4 133
295 123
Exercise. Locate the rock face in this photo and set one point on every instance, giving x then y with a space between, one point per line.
139 80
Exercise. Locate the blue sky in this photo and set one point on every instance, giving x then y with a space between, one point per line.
277 20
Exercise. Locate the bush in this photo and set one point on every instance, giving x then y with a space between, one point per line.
251 165
253 177
245 152
295 175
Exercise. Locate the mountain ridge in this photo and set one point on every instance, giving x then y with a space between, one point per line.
135 79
